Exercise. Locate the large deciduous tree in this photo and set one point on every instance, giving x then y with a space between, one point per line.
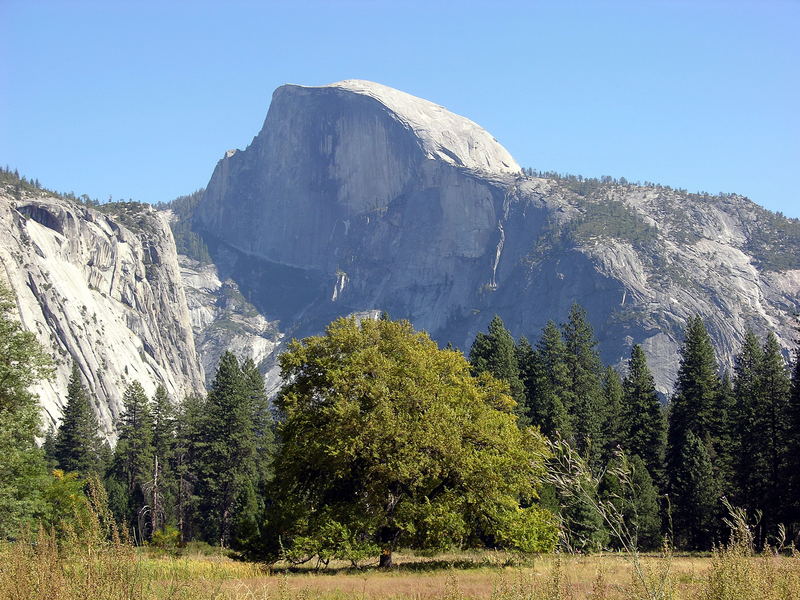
387 440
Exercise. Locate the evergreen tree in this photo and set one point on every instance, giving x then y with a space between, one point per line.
643 420
628 486
547 385
252 504
49 448
613 430
495 353
695 422
772 428
585 372
696 495
793 461
185 464
227 466
162 488
78 443
747 404
134 460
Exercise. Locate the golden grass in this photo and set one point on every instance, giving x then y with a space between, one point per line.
38 569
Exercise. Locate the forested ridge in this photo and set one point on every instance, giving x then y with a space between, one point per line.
378 440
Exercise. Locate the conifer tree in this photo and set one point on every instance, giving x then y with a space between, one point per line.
495 353
186 462
628 486
133 458
643 420
613 430
78 443
747 404
227 466
772 427
695 493
694 425
585 371
547 385
162 487
793 462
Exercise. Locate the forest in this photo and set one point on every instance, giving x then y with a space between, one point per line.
380 440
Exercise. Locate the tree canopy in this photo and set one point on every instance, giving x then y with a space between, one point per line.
387 440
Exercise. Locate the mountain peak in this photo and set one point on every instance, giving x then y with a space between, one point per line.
443 135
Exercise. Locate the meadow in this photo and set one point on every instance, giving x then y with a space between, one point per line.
42 569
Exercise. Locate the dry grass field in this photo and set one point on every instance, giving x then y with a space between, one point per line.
38 570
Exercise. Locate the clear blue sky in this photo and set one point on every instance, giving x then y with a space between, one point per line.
140 99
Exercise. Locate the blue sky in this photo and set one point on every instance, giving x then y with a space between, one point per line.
140 99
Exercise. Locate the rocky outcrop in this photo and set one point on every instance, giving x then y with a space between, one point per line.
103 290
354 196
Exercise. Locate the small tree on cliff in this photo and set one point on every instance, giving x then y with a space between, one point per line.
387 440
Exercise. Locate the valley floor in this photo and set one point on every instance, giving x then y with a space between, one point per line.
121 573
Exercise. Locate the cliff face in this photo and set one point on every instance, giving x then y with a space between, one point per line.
355 196
103 290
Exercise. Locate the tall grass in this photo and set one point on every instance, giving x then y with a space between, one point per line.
91 560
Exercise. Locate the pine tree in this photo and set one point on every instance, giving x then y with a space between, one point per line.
78 443
162 490
793 462
585 371
547 385
252 506
696 495
747 404
495 353
694 423
627 485
613 430
227 455
772 427
186 463
643 420
134 459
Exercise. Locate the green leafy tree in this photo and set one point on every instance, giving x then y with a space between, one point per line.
547 385
78 445
585 376
495 353
394 442
643 420
747 405
22 467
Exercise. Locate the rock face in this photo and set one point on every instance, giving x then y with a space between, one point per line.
102 290
355 197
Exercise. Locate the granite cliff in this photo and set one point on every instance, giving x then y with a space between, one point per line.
103 289
355 196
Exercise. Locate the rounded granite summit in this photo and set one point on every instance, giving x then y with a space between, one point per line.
443 135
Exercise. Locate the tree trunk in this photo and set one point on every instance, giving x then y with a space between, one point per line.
386 559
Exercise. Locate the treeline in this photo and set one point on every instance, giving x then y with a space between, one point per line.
192 472
378 438
732 436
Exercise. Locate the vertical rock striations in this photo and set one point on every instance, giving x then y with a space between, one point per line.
103 290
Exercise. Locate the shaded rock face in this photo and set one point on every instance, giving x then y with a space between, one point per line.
357 197
106 295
